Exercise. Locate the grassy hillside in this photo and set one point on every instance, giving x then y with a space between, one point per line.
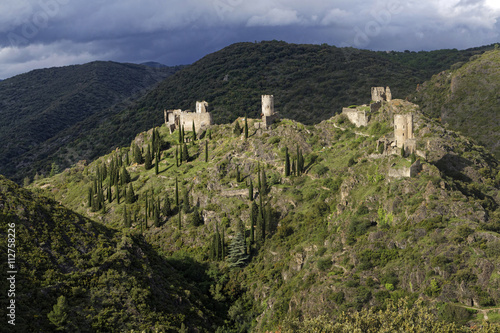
340 236
111 281
43 110
311 83
466 98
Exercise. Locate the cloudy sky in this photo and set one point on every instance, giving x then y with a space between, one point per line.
46 33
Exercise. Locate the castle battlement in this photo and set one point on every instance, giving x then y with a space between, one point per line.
178 118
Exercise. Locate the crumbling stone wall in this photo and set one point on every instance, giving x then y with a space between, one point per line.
176 118
412 171
356 116
380 94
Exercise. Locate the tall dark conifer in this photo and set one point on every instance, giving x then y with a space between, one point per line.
206 151
250 190
287 163
246 128
176 193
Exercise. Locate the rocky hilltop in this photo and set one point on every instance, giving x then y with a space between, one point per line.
302 221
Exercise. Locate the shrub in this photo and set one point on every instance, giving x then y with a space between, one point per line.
324 264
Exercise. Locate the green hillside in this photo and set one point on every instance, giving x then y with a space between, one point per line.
111 281
43 110
311 82
466 98
338 234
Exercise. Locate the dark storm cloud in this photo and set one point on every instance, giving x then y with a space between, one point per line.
44 33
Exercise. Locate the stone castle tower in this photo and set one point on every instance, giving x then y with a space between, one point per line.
267 105
403 132
201 107
380 94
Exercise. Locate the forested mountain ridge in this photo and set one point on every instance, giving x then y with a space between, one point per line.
313 82
77 275
466 98
43 110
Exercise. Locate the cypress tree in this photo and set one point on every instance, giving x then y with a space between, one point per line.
176 193
104 172
177 157
179 225
117 193
126 218
127 160
185 202
298 161
180 136
254 211
294 169
167 207
252 234
130 198
156 217
250 190
206 151
137 155
108 194
125 178
264 187
287 163
194 132
146 215
183 135
90 194
147 159
185 153
209 134
246 128
403 151
237 128
157 162
261 229
259 185
196 219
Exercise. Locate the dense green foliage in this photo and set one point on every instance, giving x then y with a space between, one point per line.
44 110
466 97
78 275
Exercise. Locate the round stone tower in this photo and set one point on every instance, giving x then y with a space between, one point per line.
403 128
267 105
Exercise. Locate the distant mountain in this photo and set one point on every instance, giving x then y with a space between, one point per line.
82 112
466 97
43 110
111 281
153 64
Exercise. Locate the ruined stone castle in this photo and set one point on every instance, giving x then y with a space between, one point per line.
201 119
268 115
403 123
